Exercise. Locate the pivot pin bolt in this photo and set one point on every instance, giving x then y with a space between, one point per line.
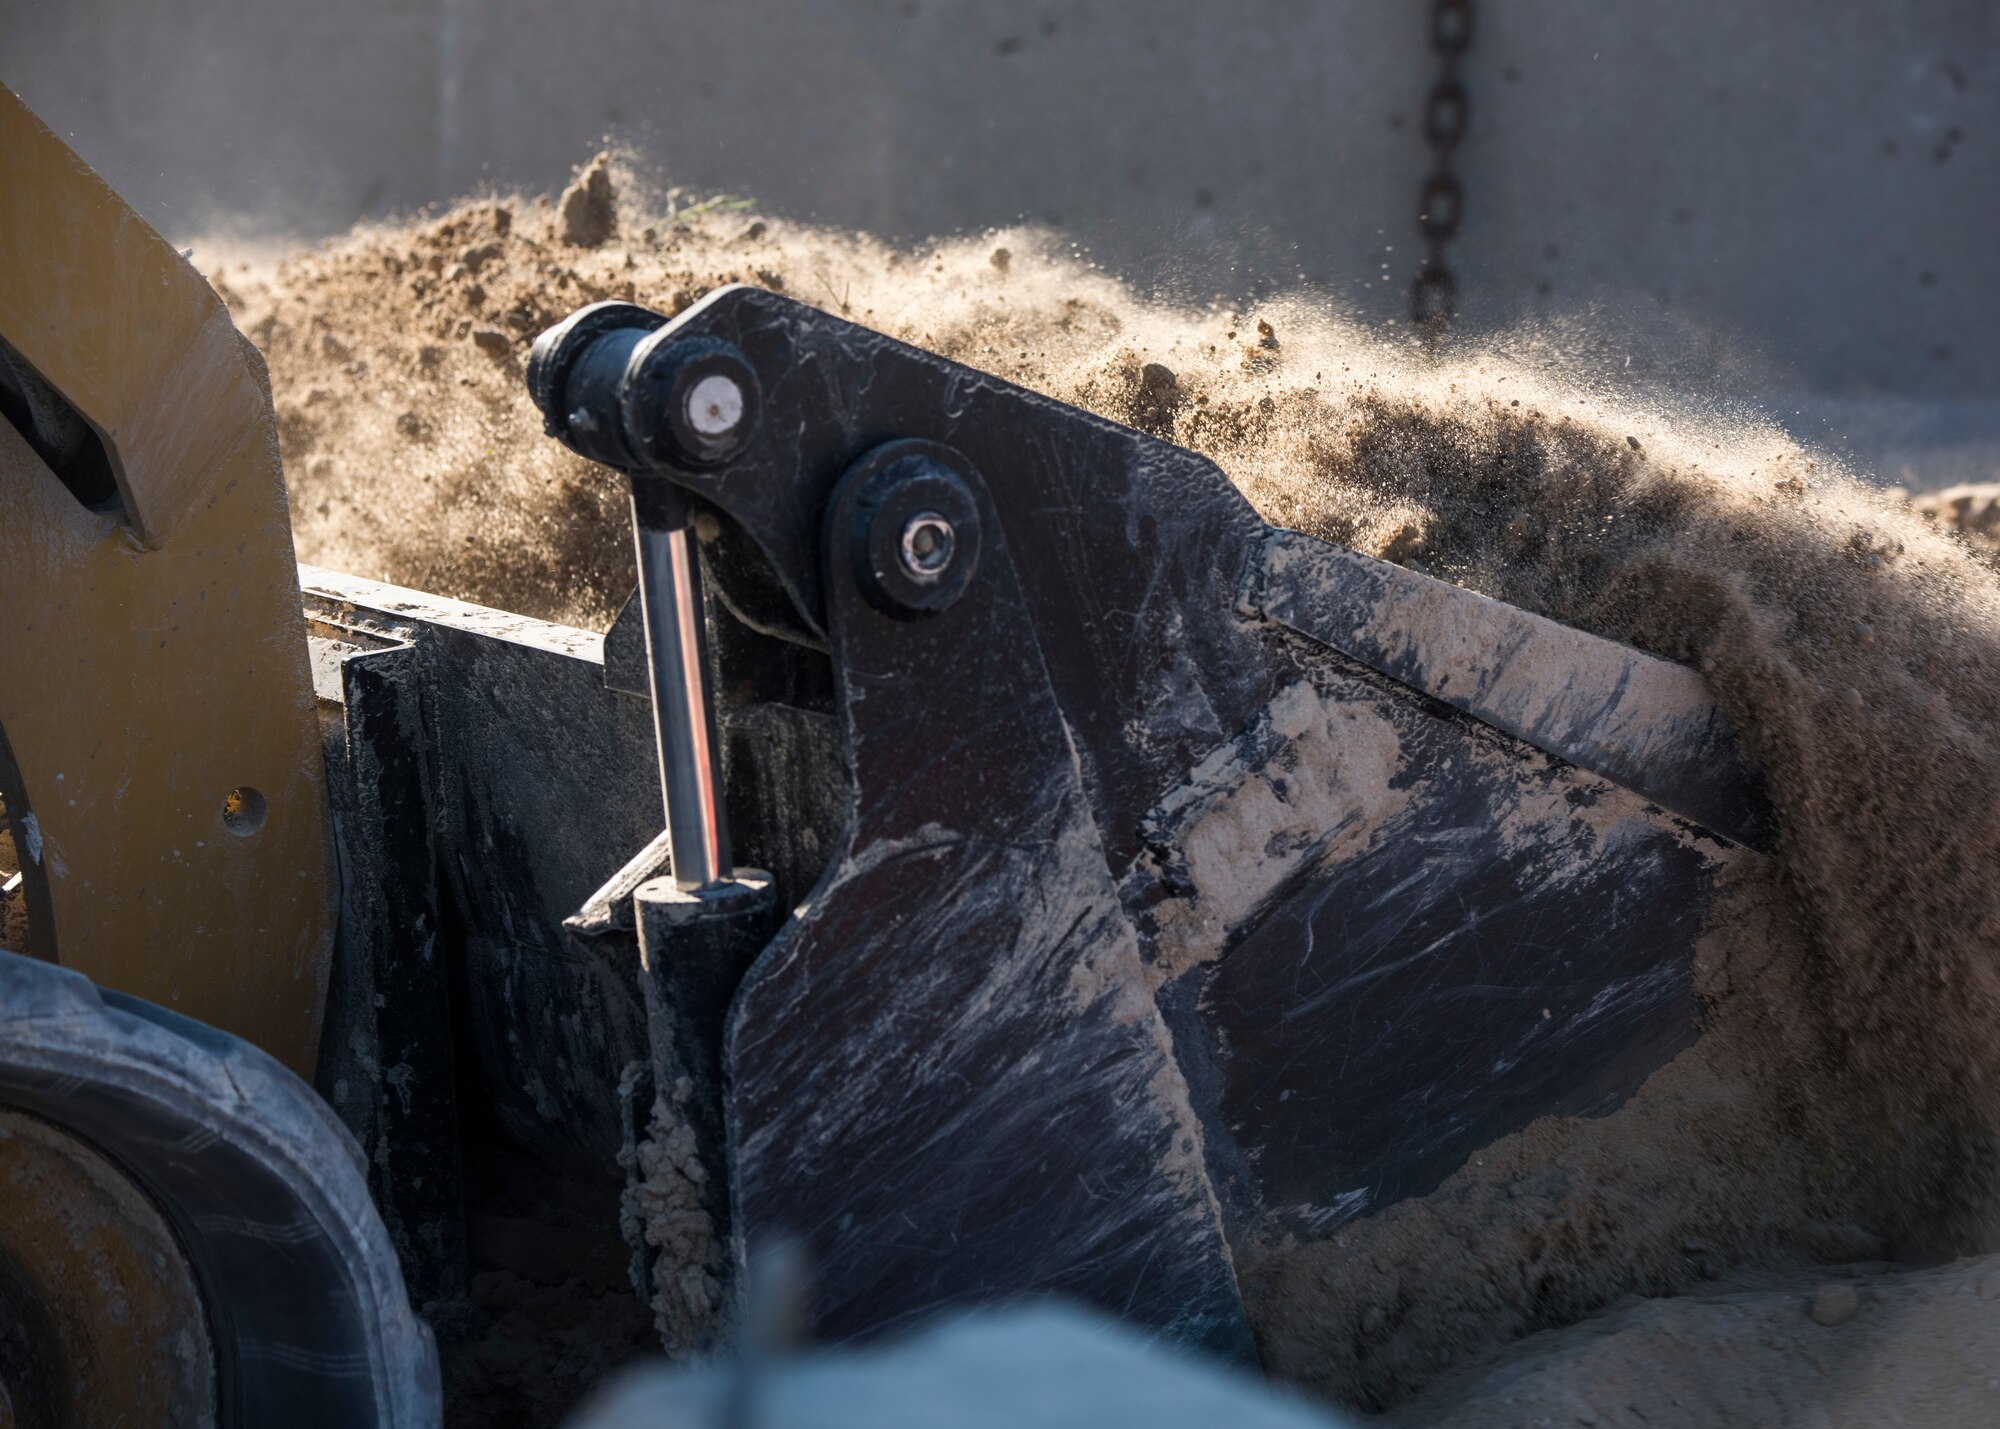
715 405
912 527
927 545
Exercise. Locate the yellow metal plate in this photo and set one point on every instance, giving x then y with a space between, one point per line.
153 664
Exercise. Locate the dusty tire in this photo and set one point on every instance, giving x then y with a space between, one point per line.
305 1309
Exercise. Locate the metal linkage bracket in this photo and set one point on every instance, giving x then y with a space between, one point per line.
946 1073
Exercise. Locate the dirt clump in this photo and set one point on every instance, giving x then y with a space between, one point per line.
1972 510
1847 1094
587 212
662 1209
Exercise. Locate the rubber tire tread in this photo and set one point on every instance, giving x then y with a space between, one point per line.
266 1189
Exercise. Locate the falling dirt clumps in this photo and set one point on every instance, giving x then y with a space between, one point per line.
1847 1099
410 452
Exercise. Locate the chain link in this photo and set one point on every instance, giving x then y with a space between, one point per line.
1441 203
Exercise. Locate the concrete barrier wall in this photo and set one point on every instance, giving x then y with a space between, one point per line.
1800 195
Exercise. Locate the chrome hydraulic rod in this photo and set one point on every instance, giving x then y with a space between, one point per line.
684 720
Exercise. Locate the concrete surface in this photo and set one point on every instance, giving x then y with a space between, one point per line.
1798 197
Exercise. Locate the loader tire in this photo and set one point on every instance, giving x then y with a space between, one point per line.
185 1221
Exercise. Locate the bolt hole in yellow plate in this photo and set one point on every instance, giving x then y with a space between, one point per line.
243 811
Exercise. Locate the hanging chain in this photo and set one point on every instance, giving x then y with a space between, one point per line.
1441 206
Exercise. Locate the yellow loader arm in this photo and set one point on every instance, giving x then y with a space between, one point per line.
160 757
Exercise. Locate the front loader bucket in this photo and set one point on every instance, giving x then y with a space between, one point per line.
1187 881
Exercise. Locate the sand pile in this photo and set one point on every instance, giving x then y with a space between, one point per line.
1846 1106
1858 1345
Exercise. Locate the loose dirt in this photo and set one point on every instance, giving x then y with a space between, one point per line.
663 1210
1710 1167
1846 1104
1842 1346
13 906
539 1347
